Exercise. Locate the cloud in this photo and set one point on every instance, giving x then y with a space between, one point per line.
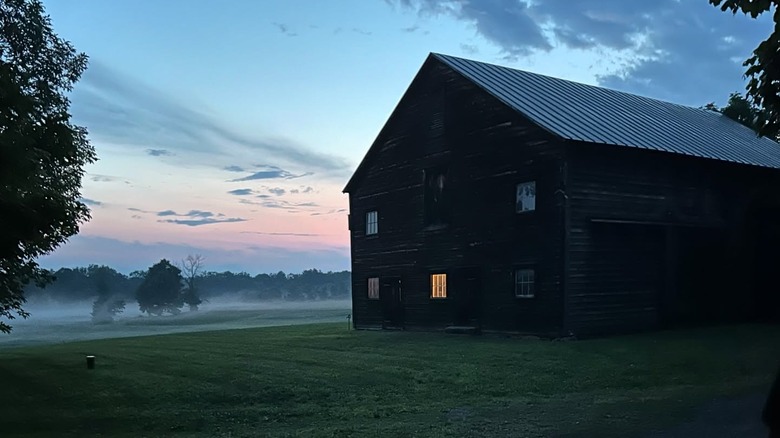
233 168
411 29
104 178
240 192
278 191
270 172
506 23
684 51
284 29
470 49
200 213
120 109
138 210
361 31
158 152
332 211
91 202
279 204
194 218
205 221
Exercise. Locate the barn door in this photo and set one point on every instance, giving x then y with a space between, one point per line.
391 296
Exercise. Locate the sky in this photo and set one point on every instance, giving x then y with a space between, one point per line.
229 128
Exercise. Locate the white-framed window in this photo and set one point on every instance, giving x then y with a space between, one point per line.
372 222
526 197
438 285
525 283
373 288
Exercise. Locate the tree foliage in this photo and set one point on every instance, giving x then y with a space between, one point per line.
191 267
43 154
160 292
79 284
763 67
740 109
108 302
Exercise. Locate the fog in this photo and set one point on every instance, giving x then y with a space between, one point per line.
53 322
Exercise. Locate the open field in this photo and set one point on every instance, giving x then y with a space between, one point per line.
57 323
322 380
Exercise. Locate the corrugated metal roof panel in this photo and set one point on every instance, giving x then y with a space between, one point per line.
599 115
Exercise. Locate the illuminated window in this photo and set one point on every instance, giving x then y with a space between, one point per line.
524 283
526 197
439 286
372 222
373 288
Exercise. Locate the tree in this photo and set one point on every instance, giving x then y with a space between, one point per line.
160 291
763 67
741 110
43 154
107 304
191 268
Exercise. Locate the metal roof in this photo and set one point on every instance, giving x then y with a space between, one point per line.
587 113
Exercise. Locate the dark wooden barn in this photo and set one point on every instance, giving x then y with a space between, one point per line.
513 202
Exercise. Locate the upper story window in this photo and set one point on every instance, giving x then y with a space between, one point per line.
373 288
436 202
438 285
526 197
524 283
372 222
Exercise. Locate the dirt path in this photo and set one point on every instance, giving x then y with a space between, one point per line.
725 417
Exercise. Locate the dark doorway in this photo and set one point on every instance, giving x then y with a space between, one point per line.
699 281
763 254
468 291
391 296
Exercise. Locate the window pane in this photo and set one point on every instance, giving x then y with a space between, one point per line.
373 288
436 204
524 283
439 286
372 225
526 197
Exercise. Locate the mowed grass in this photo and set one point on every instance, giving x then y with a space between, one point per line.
324 381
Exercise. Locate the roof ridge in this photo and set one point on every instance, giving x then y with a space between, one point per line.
443 57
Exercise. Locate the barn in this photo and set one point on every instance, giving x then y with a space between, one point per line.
498 200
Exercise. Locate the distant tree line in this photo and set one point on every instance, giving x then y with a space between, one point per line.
88 283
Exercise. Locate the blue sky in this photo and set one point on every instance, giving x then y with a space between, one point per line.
229 128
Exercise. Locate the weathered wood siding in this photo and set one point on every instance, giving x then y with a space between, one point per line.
487 149
656 239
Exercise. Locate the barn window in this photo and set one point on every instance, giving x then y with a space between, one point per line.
439 286
372 222
526 197
373 288
524 283
436 202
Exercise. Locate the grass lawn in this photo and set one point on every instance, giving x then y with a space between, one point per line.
322 380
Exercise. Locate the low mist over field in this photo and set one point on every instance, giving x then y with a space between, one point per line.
55 322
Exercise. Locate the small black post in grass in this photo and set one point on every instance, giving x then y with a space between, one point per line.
90 362
349 326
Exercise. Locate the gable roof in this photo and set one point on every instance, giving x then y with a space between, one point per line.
592 114
580 112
